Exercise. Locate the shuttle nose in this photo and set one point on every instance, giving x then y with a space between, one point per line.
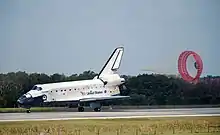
24 99
20 102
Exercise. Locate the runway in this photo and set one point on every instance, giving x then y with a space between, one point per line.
127 113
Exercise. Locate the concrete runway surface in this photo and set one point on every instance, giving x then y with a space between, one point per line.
126 113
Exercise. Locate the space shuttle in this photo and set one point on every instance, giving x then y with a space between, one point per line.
107 85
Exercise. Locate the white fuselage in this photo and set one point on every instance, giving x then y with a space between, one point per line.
76 90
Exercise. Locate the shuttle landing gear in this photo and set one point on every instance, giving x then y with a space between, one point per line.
96 106
80 109
28 111
97 109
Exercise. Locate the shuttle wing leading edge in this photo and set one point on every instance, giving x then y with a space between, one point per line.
102 98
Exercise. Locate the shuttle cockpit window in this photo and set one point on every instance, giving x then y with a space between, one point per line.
39 88
36 88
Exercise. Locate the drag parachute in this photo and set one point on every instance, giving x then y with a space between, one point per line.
190 66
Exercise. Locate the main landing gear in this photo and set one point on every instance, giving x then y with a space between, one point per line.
81 109
96 107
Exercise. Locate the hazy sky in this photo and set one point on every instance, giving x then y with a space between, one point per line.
72 36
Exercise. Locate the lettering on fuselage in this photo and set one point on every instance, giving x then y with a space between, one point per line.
91 92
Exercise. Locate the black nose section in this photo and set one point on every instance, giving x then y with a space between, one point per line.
21 99
25 100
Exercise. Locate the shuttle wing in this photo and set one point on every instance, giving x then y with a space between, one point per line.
102 98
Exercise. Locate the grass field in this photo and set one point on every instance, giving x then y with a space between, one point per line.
144 126
34 109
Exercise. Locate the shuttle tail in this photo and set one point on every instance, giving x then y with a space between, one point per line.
113 63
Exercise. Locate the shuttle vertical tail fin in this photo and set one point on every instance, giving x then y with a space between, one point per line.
113 63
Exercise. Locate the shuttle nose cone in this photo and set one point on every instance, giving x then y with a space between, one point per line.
24 99
19 101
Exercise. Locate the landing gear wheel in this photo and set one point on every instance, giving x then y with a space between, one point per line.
97 109
80 109
28 111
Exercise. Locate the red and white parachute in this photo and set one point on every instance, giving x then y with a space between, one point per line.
190 66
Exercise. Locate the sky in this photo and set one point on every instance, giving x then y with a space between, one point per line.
73 36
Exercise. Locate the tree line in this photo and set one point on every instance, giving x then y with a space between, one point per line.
145 89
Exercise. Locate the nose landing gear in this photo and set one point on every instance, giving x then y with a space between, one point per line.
28 111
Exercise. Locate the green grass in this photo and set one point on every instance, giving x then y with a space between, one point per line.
144 126
34 109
